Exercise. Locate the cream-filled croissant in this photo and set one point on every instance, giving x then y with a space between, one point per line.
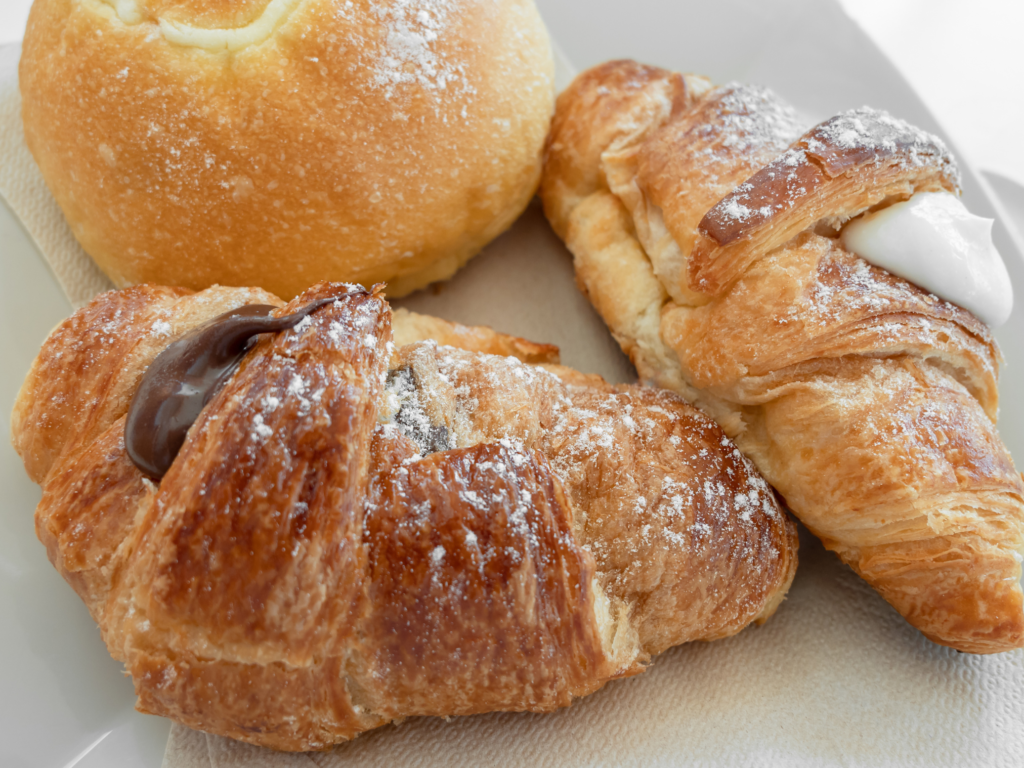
706 228
354 532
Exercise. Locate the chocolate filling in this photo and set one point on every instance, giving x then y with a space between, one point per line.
185 377
412 420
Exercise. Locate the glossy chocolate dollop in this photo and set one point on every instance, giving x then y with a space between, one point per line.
185 377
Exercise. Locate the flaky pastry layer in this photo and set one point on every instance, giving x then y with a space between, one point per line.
355 532
704 225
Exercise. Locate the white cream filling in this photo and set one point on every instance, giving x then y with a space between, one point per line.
932 240
211 38
127 10
229 39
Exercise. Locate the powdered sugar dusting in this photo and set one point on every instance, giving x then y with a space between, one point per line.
437 555
749 125
410 49
704 155
861 137
754 119
873 135
747 202
406 408
161 328
656 484
733 209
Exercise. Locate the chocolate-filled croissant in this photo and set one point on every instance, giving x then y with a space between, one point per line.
704 223
354 533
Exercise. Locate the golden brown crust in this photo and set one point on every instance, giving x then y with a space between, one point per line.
936 523
689 163
830 304
308 706
712 252
105 348
837 170
586 123
42 425
201 143
87 512
409 327
511 570
683 550
353 534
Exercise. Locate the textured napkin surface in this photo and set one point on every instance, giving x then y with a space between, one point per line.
835 678
23 189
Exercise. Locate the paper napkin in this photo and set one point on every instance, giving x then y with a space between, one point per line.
23 189
836 677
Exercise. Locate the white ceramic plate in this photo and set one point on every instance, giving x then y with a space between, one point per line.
63 701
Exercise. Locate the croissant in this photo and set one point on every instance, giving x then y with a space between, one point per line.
355 532
704 228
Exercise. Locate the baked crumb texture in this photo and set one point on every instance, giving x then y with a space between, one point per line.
276 143
704 225
357 531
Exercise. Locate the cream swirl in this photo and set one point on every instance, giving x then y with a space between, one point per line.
932 240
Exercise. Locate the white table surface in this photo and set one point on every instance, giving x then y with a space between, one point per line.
961 56
926 48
